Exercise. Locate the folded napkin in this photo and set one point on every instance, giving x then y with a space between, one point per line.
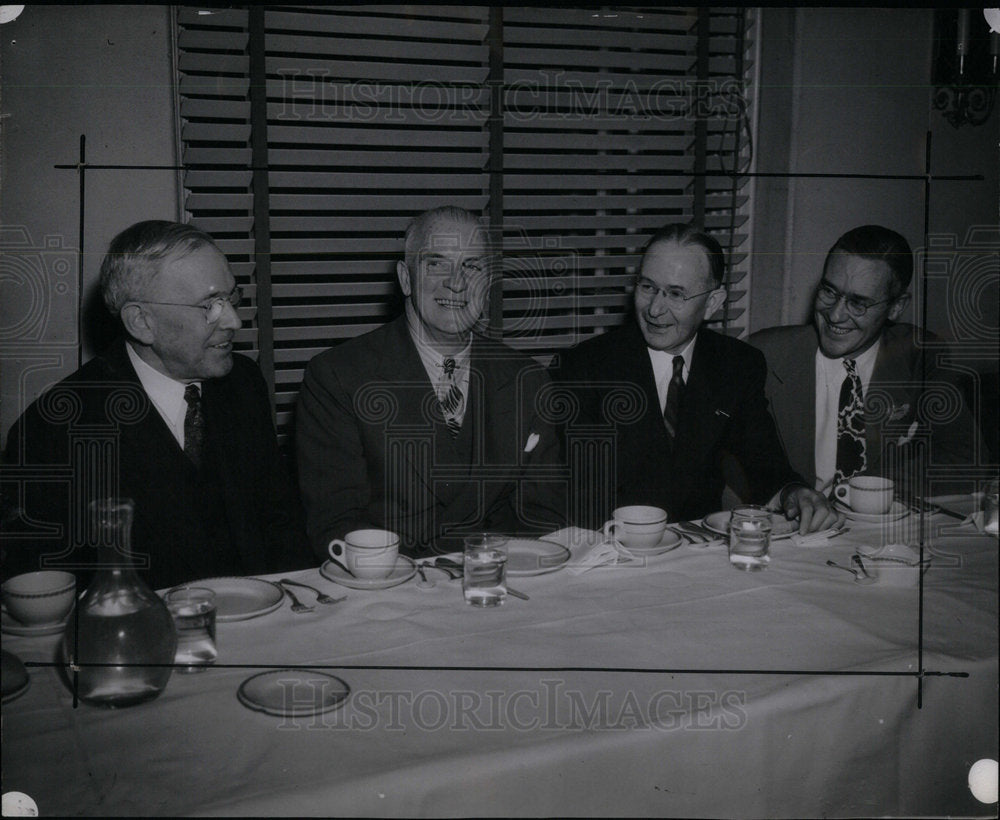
816 539
605 553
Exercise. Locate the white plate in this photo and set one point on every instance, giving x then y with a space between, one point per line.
529 556
781 527
238 599
670 540
12 626
897 511
404 570
293 692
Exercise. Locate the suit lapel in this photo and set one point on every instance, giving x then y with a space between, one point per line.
888 400
795 404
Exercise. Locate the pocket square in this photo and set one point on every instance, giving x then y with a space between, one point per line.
532 442
899 412
909 435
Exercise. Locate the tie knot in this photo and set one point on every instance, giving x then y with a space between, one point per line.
449 366
849 364
678 365
192 395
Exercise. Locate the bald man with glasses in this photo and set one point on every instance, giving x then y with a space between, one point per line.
168 416
852 392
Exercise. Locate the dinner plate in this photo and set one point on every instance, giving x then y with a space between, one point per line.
404 570
670 540
781 527
12 626
14 680
239 599
530 556
896 511
293 692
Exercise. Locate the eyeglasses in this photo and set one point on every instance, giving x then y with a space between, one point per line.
675 296
828 296
213 307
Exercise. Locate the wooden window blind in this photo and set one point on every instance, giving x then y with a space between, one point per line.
611 123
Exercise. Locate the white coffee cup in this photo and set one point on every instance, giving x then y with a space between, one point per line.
366 553
869 494
636 525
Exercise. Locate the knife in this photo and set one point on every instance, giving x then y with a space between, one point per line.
517 594
919 505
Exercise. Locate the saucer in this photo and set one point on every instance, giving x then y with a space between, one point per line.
531 556
10 625
404 570
293 692
669 541
15 677
896 511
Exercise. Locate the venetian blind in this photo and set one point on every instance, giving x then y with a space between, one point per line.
613 123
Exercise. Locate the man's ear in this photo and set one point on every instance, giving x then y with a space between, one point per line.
897 307
716 299
137 323
403 275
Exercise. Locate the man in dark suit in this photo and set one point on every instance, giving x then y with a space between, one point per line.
675 400
169 417
424 427
910 420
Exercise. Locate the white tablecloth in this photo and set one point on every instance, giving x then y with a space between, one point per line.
679 688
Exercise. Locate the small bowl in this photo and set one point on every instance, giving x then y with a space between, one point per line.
37 598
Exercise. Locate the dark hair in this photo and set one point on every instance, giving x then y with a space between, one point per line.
882 245
686 234
134 255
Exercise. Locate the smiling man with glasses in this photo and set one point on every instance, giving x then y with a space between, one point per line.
849 387
692 399
168 416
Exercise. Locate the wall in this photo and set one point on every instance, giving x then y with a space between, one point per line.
102 71
848 91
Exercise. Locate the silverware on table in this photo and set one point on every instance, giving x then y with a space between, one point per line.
517 594
918 505
297 605
322 597
858 577
424 583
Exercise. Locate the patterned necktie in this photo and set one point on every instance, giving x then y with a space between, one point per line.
851 458
672 406
194 425
452 401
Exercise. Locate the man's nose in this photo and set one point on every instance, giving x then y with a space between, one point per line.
230 319
457 280
838 311
659 304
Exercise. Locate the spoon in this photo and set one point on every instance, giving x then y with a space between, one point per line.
858 578
322 597
297 605
424 583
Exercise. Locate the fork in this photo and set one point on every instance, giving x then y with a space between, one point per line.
297 605
322 597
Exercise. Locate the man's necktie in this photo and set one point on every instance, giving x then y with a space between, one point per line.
451 398
672 406
194 425
851 457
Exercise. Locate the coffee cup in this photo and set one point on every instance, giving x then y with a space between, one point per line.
37 598
636 526
366 553
868 494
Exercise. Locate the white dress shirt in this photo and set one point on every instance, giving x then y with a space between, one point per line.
663 368
830 375
166 394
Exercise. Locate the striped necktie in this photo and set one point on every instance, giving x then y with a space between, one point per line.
194 425
451 399
851 456
672 406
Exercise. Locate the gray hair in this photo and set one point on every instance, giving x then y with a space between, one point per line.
134 256
417 230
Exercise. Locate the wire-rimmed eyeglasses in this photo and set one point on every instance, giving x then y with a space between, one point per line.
675 296
213 307
828 296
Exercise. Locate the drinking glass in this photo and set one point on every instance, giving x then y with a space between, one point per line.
750 538
484 581
193 610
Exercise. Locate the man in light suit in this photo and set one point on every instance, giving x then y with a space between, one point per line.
423 426
690 398
168 416
910 415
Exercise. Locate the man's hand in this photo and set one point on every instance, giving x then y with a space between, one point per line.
812 509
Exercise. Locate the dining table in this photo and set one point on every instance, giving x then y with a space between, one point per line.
669 685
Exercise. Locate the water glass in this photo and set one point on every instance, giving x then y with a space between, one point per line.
991 492
750 538
484 581
193 611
